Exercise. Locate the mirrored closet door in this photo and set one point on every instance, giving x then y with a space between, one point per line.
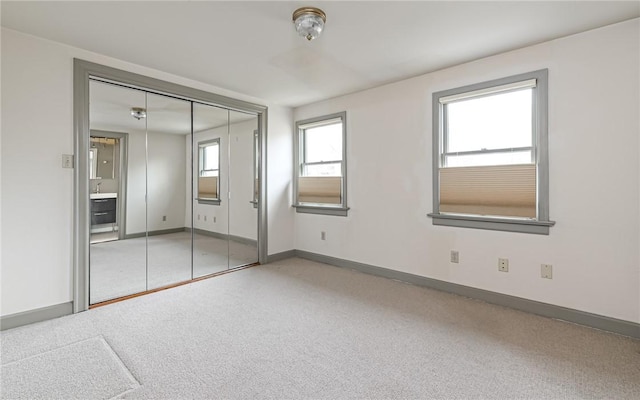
210 186
173 190
168 225
243 187
118 216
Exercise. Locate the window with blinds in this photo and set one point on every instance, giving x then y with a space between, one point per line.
320 181
490 155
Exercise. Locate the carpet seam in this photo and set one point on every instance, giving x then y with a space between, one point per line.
51 350
121 363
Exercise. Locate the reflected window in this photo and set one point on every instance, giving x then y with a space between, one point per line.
256 172
209 171
93 163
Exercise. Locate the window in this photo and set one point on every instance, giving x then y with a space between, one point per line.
209 171
320 165
490 155
256 170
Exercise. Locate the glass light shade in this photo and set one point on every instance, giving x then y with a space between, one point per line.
309 22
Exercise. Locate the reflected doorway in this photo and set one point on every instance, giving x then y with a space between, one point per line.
107 158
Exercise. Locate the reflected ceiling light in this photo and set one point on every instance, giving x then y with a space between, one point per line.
309 22
138 113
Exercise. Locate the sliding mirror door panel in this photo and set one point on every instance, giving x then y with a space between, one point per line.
174 190
243 188
210 189
168 231
117 183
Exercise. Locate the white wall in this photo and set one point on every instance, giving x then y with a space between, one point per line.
279 175
37 194
160 177
165 181
594 180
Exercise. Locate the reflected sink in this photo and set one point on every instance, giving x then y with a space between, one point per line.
103 195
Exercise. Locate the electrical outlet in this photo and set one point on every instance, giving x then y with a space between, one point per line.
455 257
198 217
546 271
164 217
503 264
214 220
205 218
323 235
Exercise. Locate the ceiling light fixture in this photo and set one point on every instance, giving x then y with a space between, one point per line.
138 113
309 22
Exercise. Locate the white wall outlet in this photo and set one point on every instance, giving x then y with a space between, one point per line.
214 220
455 257
205 218
323 235
546 271
164 217
503 264
198 217
67 161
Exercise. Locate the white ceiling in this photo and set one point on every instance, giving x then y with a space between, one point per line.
110 110
252 47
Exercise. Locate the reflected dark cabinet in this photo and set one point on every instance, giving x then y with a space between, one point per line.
103 211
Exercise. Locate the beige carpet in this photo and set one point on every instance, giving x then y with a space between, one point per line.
297 329
88 369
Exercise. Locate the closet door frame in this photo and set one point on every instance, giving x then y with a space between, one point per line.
83 71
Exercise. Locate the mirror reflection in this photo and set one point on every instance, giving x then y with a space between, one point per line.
117 254
103 157
243 216
168 229
210 173
173 190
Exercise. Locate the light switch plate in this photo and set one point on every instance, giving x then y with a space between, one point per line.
67 161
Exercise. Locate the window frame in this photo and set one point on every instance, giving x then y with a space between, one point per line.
299 157
201 161
542 223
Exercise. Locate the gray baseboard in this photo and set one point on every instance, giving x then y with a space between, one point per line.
37 315
243 240
204 232
281 256
153 233
223 236
217 235
621 327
